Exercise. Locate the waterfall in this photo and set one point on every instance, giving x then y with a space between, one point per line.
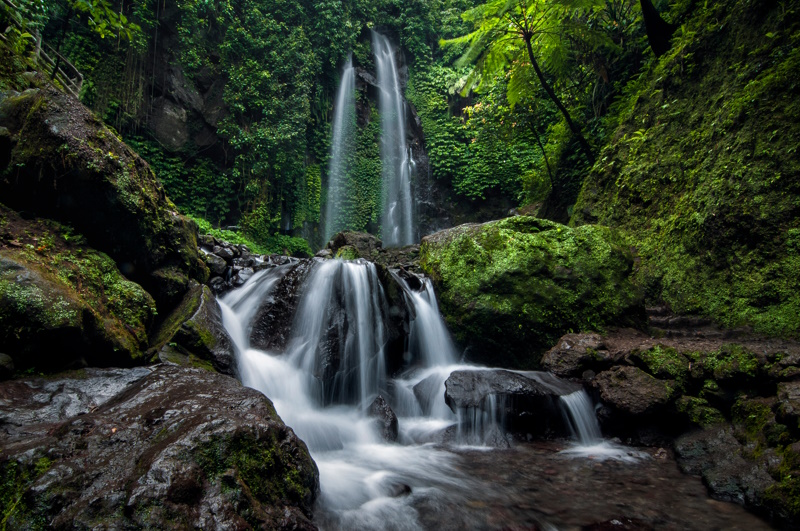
341 316
332 368
342 152
578 411
397 164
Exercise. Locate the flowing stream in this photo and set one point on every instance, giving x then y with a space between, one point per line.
438 474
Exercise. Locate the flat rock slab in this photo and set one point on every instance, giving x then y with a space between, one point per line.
166 447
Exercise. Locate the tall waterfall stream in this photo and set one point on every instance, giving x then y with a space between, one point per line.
422 481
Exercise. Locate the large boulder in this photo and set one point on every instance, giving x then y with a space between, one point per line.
158 448
63 304
194 334
510 288
527 401
62 163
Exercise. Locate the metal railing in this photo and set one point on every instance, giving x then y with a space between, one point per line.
59 68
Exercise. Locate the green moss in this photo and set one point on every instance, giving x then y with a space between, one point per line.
347 252
784 496
755 422
729 362
663 362
709 193
512 287
16 477
269 472
698 411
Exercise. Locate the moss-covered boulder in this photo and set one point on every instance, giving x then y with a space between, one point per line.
510 288
62 303
703 170
62 163
194 334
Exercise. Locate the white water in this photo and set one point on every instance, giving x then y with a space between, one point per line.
360 475
342 149
578 411
397 164
364 480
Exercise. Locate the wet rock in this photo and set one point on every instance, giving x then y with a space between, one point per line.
6 366
273 322
218 285
789 402
194 335
471 388
352 245
716 455
576 353
526 400
384 417
216 264
324 253
226 253
173 445
425 392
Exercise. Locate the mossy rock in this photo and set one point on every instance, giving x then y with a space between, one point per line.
662 362
64 164
510 288
699 411
703 172
64 303
193 334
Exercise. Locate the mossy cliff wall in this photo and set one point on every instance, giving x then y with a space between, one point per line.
703 171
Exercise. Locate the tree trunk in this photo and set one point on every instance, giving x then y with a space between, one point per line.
659 31
587 150
64 26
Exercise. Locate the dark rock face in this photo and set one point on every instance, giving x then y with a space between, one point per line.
65 165
6 366
470 388
273 322
716 455
194 334
165 447
384 418
525 399
632 391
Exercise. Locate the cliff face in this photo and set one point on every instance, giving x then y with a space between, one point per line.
703 170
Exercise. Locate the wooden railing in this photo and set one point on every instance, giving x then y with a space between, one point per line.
46 58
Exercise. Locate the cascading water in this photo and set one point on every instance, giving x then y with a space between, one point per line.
333 367
578 411
398 202
342 151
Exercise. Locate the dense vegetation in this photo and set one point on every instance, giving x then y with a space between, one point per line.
231 104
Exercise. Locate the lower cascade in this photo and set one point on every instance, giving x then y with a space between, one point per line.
383 444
